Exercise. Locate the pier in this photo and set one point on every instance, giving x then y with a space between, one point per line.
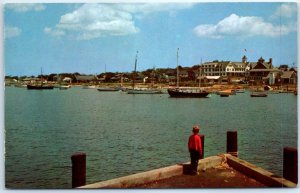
225 170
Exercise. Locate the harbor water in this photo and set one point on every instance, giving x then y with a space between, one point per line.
124 134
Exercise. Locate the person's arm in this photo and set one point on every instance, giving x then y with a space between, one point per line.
200 146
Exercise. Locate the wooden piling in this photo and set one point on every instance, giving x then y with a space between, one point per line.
78 169
232 145
290 164
202 143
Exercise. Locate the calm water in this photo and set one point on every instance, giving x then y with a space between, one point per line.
124 134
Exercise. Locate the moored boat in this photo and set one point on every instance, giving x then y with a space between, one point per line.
258 94
19 85
141 90
239 90
180 93
144 91
88 86
39 87
64 87
109 89
226 92
183 93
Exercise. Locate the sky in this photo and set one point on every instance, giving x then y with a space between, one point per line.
94 38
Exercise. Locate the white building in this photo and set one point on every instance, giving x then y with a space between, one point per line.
226 68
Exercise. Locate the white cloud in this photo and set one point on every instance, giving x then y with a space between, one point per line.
248 26
97 20
54 32
153 7
10 32
25 7
286 10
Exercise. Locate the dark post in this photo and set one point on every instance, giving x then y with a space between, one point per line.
290 164
78 169
202 143
232 145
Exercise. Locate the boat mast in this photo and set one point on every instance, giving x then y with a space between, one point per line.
152 77
134 72
41 76
200 70
177 70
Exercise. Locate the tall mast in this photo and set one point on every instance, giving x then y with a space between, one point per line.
200 71
177 70
134 72
41 76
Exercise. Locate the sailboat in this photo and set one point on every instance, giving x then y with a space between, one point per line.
181 93
41 86
108 89
141 90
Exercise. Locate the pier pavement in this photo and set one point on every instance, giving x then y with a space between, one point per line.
221 171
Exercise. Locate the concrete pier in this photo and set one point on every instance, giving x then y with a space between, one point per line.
220 171
175 177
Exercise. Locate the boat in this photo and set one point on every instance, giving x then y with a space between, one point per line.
273 92
183 93
258 94
88 86
141 90
41 86
144 91
109 89
226 93
64 87
239 90
20 85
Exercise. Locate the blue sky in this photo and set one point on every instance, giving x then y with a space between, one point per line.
85 38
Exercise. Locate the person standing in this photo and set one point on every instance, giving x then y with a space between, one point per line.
195 149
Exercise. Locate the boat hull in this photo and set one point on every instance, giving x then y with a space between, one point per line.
224 95
136 91
108 89
259 95
184 94
33 87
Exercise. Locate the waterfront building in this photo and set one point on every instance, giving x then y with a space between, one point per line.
232 71
263 72
288 77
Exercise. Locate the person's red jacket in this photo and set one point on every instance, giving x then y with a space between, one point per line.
195 143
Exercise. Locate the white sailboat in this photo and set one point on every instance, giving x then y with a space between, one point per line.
141 90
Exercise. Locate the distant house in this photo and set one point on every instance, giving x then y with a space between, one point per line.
85 78
288 77
261 71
